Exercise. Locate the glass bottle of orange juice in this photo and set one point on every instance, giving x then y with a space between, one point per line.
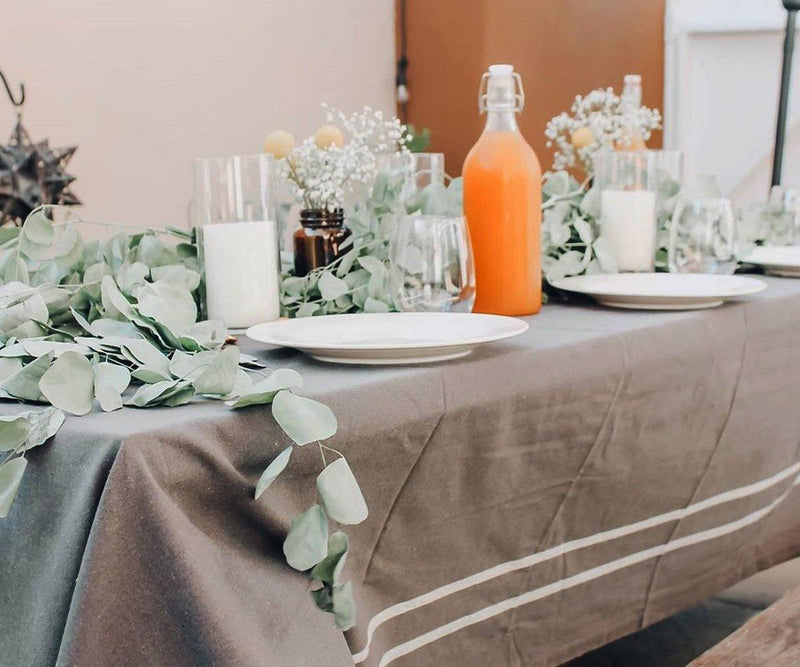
503 203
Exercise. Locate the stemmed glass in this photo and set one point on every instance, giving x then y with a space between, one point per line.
703 237
432 266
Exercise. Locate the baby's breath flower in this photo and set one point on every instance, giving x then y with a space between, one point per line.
325 173
606 117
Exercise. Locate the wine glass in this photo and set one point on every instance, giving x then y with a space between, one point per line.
703 237
432 268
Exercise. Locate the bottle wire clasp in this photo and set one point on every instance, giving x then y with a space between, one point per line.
483 96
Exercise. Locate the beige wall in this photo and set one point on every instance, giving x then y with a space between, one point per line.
142 86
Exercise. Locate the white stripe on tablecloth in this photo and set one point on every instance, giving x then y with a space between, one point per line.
539 557
575 580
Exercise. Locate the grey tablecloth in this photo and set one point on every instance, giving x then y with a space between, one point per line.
539 498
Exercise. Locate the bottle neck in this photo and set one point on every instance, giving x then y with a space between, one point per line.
501 120
315 218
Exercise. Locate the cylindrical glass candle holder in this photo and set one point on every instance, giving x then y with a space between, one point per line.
633 188
238 239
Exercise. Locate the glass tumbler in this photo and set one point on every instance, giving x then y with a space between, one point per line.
238 239
703 237
768 224
432 268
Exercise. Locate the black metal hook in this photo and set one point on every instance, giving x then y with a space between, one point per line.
14 101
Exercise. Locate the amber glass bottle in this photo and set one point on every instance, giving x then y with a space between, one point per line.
319 240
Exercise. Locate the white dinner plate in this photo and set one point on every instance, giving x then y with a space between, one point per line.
661 291
778 260
388 338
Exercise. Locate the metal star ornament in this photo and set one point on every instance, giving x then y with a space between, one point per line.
31 173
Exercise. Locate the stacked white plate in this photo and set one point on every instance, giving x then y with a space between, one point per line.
388 338
777 260
661 291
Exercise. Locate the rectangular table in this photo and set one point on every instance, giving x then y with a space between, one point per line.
539 498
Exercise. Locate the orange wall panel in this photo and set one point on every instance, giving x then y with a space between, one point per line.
561 48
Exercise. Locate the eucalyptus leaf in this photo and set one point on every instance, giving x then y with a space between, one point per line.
331 287
168 392
56 299
590 204
274 469
323 598
130 276
169 305
14 269
293 285
372 264
329 569
109 382
303 419
11 473
93 277
344 606
556 183
108 397
114 302
13 432
8 367
44 424
23 305
69 383
104 327
243 385
153 252
24 384
265 390
182 395
307 310
307 541
148 357
340 493
37 228
177 274
206 335
605 255
215 374
345 264
584 230
36 348
374 306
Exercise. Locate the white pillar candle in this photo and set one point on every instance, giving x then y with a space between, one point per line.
241 271
628 223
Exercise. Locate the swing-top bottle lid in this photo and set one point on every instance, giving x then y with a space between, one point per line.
500 84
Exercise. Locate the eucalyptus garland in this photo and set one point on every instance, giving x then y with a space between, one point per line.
572 241
115 324
359 280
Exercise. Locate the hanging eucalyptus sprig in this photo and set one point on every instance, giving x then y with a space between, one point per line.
114 324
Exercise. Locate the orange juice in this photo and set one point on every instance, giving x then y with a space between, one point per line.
502 204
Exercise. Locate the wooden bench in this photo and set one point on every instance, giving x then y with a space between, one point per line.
771 639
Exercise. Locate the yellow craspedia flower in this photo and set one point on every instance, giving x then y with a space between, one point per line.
328 135
279 143
582 137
